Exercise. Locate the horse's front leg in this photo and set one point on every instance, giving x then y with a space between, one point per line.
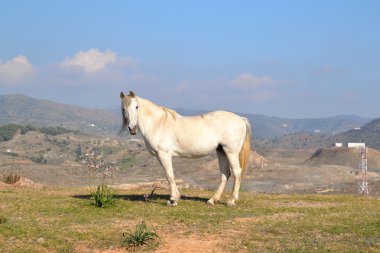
166 162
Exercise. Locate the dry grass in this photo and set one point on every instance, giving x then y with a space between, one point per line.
67 222
12 178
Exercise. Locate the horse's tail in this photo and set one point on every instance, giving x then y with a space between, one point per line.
246 148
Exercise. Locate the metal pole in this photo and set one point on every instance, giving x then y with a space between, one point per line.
363 186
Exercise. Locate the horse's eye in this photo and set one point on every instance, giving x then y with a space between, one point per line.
137 107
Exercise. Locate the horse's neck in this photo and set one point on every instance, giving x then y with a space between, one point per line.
149 115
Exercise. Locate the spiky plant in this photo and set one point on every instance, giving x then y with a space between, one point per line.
142 236
103 196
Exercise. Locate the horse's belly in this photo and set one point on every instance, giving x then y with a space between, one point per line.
196 148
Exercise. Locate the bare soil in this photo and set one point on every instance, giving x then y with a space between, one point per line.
177 242
52 160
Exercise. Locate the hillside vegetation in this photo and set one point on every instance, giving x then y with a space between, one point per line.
62 220
369 133
24 110
9 131
270 127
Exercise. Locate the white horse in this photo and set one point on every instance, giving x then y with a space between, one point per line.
167 134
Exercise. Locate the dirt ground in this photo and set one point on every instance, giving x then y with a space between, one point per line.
51 160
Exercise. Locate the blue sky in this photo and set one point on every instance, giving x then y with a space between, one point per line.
281 58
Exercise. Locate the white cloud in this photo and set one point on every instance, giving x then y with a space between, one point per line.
258 88
15 71
93 60
250 82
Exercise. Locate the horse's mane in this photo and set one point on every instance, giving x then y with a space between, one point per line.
170 112
124 125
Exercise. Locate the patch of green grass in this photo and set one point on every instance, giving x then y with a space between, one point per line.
258 223
106 150
53 131
3 219
103 196
129 161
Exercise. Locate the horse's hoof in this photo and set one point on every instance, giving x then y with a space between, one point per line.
171 203
210 202
231 203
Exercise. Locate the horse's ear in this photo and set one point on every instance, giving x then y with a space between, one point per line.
122 95
132 94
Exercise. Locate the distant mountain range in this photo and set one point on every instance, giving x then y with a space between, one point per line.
269 127
272 127
369 134
24 110
21 109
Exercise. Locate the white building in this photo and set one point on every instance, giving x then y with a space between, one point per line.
356 145
350 145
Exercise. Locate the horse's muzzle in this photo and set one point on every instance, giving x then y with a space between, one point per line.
132 131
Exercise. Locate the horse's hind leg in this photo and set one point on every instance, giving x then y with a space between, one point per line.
225 173
233 158
166 162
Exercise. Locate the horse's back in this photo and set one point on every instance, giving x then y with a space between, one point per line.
213 119
222 115
224 119
212 129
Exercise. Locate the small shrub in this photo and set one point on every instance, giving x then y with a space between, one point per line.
142 236
12 154
12 178
128 162
54 131
40 159
3 220
103 196
8 131
105 150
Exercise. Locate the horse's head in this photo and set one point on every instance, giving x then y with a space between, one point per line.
129 110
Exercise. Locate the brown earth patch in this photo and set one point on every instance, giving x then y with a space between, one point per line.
258 161
343 156
25 182
307 204
84 248
170 243
277 217
188 244
3 185
22 182
25 161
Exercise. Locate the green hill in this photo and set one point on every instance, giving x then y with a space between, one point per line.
369 133
24 110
